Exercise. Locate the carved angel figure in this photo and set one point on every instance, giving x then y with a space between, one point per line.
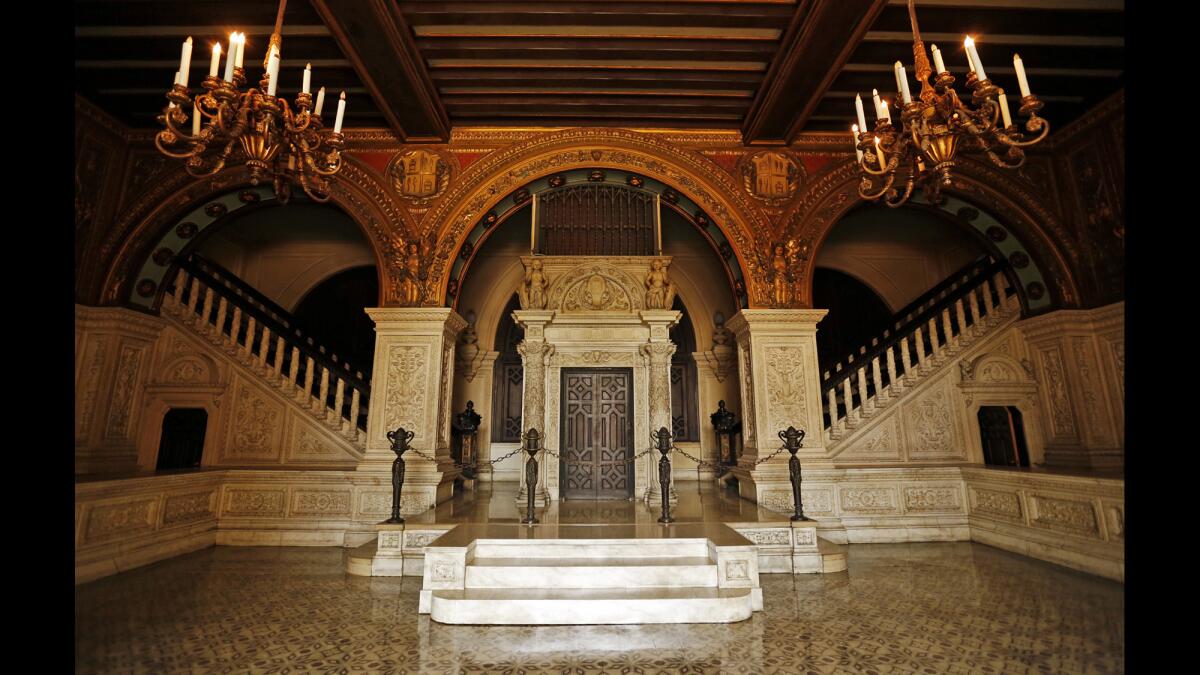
410 286
781 277
660 292
535 286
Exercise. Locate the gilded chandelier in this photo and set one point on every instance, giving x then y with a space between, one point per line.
936 125
276 143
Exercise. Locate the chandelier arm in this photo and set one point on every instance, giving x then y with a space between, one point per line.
323 187
999 161
174 131
160 138
887 185
889 169
908 190
1034 124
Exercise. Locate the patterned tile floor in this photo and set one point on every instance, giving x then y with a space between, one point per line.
900 608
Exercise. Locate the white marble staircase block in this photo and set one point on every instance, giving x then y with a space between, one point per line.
591 573
529 606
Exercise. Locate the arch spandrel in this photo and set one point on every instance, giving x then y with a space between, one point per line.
498 174
831 195
356 190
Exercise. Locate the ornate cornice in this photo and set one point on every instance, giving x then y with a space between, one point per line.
96 114
508 135
1087 122
118 319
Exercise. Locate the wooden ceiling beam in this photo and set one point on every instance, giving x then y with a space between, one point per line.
819 40
376 39
1058 5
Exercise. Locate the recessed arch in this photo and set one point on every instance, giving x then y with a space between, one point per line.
980 197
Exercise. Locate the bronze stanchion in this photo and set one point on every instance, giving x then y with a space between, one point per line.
792 438
531 472
399 438
663 438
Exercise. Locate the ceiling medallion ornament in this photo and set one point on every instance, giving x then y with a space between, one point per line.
937 124
419 176
275 143
771 176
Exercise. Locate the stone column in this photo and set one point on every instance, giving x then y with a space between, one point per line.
475 384
113 348
535 351
658 352
716 380
411 388
1079 356
780 387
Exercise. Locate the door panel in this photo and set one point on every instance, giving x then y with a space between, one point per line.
597 425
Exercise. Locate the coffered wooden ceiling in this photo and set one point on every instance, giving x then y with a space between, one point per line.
770 68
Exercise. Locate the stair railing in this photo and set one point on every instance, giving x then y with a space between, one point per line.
264 336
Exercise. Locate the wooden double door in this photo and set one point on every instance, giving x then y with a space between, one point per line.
597 433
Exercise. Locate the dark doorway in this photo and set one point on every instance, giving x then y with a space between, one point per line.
508 378
1003 436
332 314
684 408
856 314
182 441
597 433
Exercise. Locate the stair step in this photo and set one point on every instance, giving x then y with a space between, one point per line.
557 549
591 573
535 606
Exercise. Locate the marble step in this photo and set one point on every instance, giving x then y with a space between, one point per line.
591 548
580 606
591 572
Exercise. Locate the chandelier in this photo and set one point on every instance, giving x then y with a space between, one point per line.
276 144
937 124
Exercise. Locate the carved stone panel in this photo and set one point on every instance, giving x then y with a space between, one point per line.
1054 378
881 443
932 498
307 502
787 398
307 444
88 388
817 501
868 500
996 504
407 387
125 381
777 536
252 502
1097 422
931 422
1064 515
257 425
188 507
106 521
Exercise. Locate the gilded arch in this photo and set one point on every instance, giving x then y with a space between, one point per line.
831 195
356 190
488 181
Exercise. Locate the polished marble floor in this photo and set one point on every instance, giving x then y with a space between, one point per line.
900 608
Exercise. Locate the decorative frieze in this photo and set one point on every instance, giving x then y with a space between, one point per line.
129 363
996 503
321 502
786 388
420 539
930 421
257 422
243 502
868 500
389 541
1061 419
921 498
817 501
379 503
188 507
404 402
106 521
778 536
1064 515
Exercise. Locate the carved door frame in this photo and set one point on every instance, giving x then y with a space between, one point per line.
630 471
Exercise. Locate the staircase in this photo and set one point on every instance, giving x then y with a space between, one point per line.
249 328
921 339
688 573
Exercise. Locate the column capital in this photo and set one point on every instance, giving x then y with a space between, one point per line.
775 321
433 321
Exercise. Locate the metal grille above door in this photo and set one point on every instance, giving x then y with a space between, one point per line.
597 433
596 219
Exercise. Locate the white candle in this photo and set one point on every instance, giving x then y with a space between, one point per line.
272 72
879 154
195 121
973 57
231 57
1004 111
862 119
216 60
883 112
307 78
854 139
875 96
341 112
241 50
320 101
1019 66
902 81
937 60
185 62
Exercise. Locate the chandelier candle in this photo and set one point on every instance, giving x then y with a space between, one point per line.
216 60
307 78
337 123
231 57
930 129
272 72
185 62
320 101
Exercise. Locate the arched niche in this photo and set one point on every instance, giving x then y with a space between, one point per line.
997 379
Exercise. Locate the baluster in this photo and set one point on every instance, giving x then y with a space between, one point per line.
222 310
1001 284
948 331
279 347
921 350
848 397
986 287
308 379
339 396
894 385
961 315
264 346
209 309
973 300
194 300
833 412
294 368
176 298
877 380
248 346
934 348
905 356
324 405
864 403
235 330
354 394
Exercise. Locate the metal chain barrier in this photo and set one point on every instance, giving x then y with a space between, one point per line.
460 465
